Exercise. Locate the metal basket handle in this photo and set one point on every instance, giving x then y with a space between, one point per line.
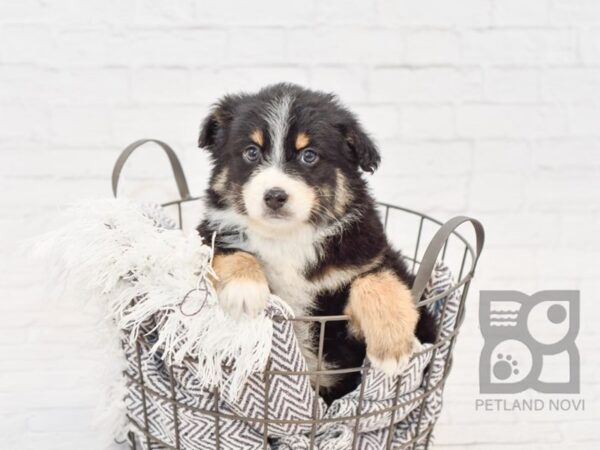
427 263
435 247
180 179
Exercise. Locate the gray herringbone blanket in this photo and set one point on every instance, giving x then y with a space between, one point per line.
290 397
193 425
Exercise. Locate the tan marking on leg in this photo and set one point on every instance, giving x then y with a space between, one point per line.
241 285
343 196
384 314
238 265
302 140
220 182
258 137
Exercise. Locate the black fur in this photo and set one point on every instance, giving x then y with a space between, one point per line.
344 149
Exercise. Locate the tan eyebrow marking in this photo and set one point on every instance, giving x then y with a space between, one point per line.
302 140
257 137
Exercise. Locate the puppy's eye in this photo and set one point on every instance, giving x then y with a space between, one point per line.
308 156
252 153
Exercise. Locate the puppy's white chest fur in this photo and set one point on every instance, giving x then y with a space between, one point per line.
284 261
285 258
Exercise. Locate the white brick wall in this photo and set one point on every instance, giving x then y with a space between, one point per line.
484 107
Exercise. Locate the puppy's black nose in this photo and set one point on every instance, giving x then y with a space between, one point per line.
275 198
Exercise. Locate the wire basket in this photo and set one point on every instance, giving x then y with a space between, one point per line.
431 241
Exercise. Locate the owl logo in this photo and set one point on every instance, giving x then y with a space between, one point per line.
529 342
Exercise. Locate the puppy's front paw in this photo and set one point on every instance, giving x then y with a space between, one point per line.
392 358
243 297
384 314
241 284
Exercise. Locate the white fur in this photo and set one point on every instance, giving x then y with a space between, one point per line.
284 256
278 115
221 219
392 366
297 208
243 298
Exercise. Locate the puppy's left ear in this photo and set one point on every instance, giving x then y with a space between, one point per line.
208 131
214 127
363 150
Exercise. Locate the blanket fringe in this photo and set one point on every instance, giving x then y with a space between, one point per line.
129 260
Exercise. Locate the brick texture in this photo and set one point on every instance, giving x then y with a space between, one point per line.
482 107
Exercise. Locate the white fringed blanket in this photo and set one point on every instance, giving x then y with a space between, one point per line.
132 259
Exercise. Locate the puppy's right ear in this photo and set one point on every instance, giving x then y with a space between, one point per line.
214 128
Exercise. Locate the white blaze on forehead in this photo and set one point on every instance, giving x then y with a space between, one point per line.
298 207
278 121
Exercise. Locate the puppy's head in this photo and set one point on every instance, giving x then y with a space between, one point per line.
285 156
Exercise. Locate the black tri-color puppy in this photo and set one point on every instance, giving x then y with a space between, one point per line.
293 216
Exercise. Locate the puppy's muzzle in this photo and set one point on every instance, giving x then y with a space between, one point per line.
275 198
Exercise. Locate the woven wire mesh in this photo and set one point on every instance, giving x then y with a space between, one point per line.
458 254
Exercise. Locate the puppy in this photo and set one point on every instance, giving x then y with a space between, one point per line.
293 216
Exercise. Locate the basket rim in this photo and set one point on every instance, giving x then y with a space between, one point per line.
462 280
380 203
